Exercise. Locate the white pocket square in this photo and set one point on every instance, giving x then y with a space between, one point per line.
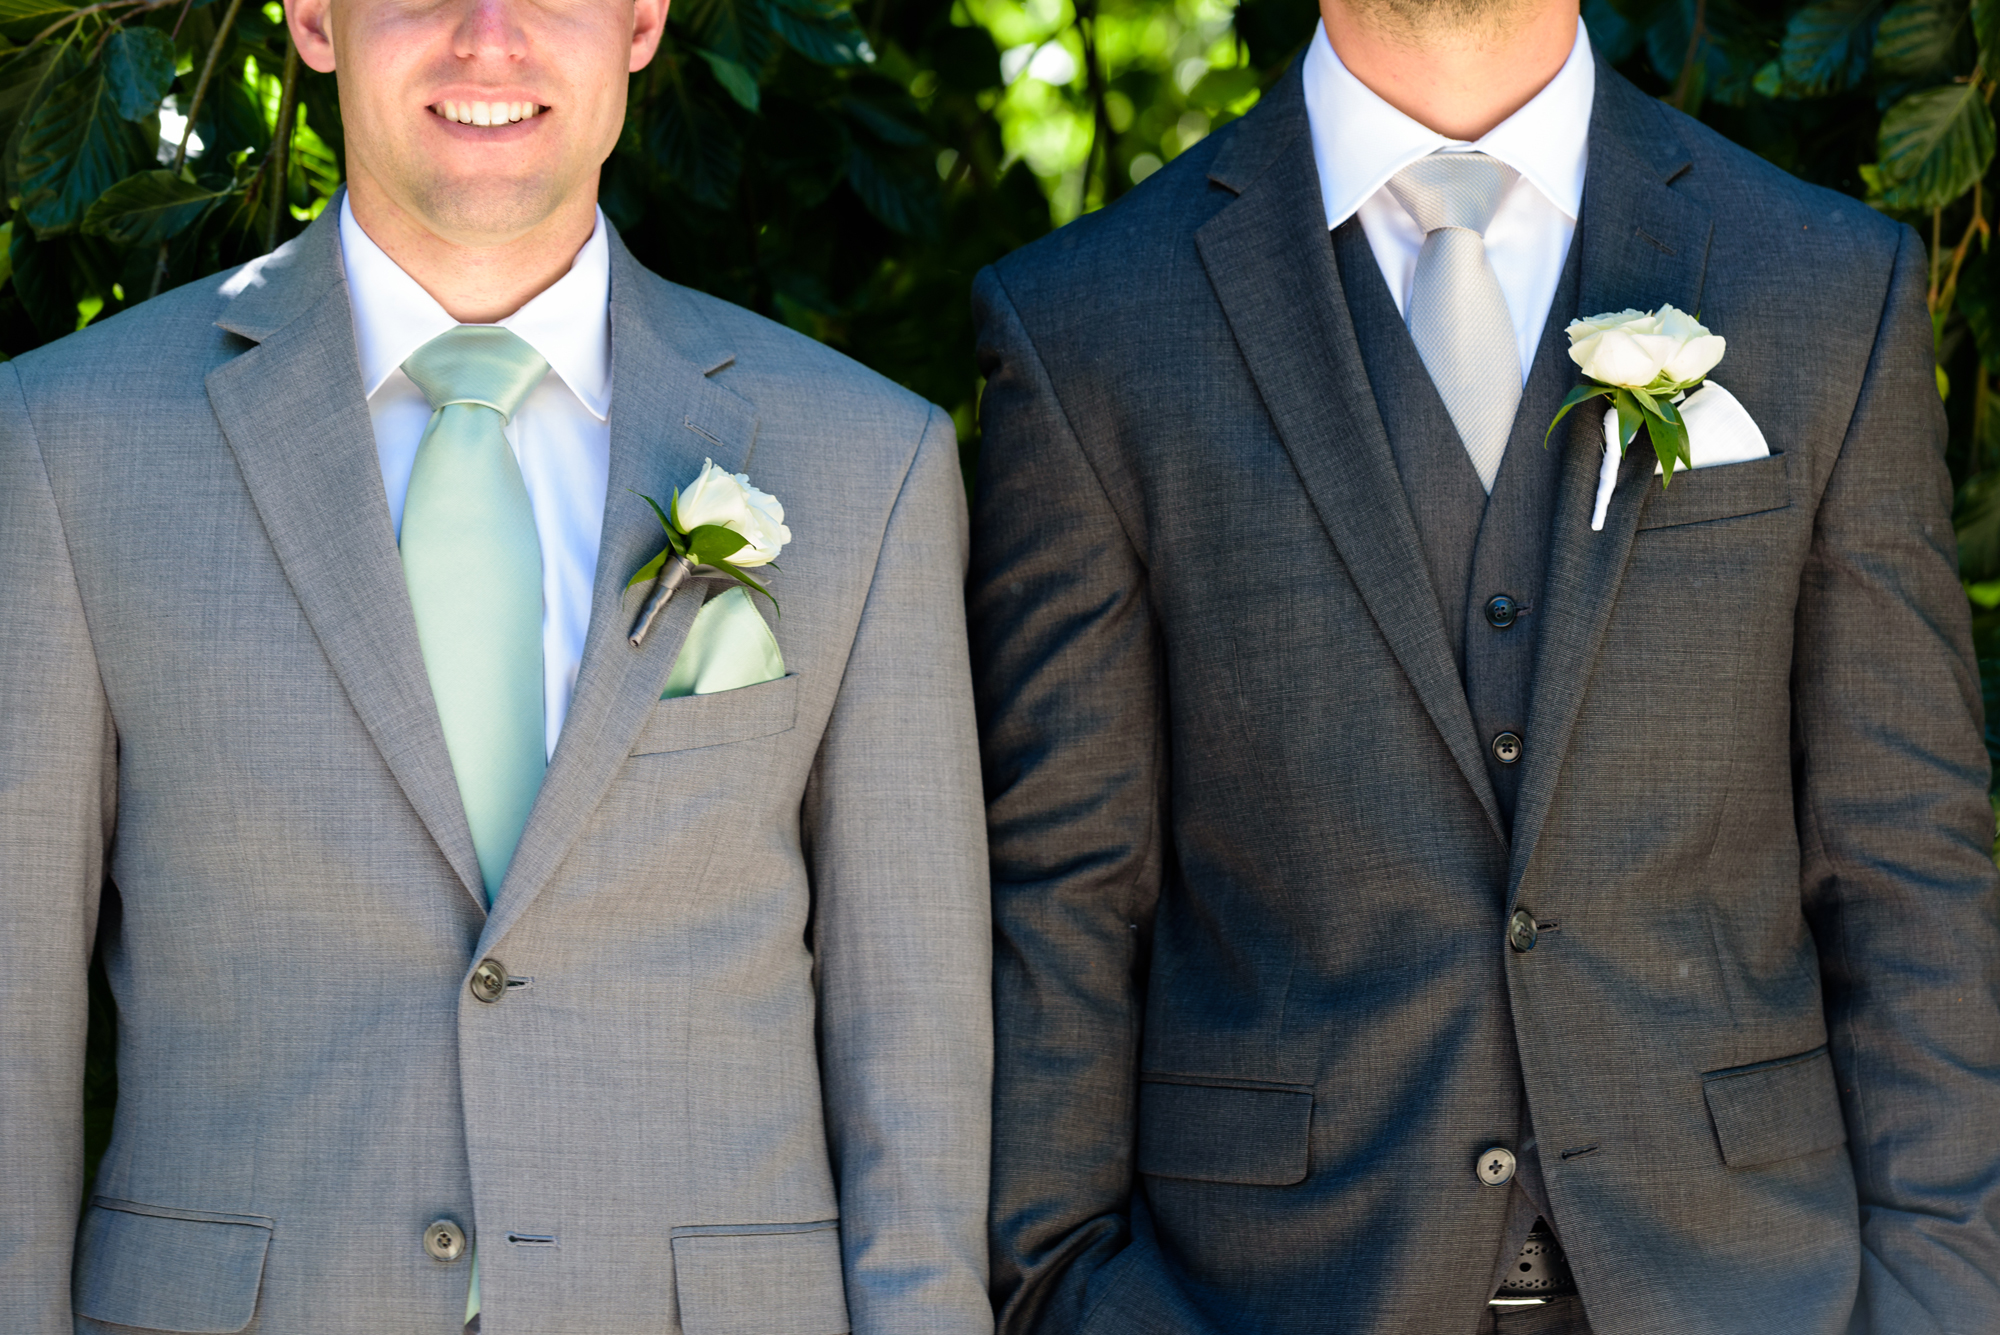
1720 431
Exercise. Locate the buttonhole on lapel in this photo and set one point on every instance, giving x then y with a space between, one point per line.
530 982
1652 240
701 430
1578 1152
532 1239
1548 925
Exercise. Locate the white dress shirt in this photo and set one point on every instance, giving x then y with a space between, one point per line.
561 434
1359 142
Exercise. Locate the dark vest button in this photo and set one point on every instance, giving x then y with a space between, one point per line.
489 981
1522 931
1507 748
1501 611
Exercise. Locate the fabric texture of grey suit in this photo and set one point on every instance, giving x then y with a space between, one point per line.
1257 1010
740 1080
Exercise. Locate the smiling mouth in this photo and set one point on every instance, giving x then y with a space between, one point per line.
487 113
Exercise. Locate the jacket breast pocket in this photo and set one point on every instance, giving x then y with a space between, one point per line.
693 721
156 1268
1249 1132
754 1280
1726 491
1775 1110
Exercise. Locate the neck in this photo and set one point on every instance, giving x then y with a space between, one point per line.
477 282
1453 71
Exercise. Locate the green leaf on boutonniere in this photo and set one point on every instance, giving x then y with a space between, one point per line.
712 544
650 570
1581 394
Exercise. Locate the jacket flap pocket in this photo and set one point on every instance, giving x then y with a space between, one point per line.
1252 1133
1775 1110
753 1281
1697 496
691 721
162 1269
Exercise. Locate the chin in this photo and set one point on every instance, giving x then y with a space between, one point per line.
482 206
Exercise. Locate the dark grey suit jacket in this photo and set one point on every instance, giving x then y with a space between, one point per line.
1257 1010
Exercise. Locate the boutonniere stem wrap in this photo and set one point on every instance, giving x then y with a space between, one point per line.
1643 362
719 527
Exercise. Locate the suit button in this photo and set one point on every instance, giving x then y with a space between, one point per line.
1495 1166
1507 747
445 1241
1522 931
1501 611
489 980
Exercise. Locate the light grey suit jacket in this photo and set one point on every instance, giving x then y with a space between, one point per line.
740 1082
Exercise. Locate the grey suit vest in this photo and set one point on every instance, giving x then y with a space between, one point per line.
1477 548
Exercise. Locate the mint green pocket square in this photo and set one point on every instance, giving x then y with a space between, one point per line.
727 648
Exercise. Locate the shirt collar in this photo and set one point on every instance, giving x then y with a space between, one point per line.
1359 141
568 323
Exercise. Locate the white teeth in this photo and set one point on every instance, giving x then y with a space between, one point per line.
487 113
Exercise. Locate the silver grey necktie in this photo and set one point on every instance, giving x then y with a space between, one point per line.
1458 315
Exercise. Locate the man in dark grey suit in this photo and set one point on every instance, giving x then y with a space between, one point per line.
1437 892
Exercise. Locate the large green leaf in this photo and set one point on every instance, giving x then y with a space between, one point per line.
73 149
149 208
1986 29
1916 37
1934 144
739 30
740 83
27 12
826 33
139 67
1826 46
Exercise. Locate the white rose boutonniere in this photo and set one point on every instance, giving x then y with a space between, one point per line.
1643 362
718 525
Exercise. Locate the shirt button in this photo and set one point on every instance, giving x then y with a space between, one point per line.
489 980
1495 1166
1507 747
1501 611
445 1240
1522 931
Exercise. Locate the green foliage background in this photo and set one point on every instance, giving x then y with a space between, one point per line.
847 167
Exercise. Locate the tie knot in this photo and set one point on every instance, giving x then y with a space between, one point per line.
1452 190
476 363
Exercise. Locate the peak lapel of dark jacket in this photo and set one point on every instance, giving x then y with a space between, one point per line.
1645 244
292 410
669 413
1271 261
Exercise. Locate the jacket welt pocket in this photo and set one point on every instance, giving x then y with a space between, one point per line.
164 1269
689 722
1775 1110
1726 491
1249 1132
756 1279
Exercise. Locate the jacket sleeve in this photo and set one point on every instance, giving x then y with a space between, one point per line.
57 795
1072 706
897 851
1896 838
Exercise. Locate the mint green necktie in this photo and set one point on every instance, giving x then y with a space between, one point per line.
474 567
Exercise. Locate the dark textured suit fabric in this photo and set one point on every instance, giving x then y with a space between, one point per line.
1257 1011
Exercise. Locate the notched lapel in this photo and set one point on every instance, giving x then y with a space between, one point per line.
669 411
292 410
1271 262
1645 244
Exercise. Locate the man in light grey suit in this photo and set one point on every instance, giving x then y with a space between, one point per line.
1446 884
479 961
